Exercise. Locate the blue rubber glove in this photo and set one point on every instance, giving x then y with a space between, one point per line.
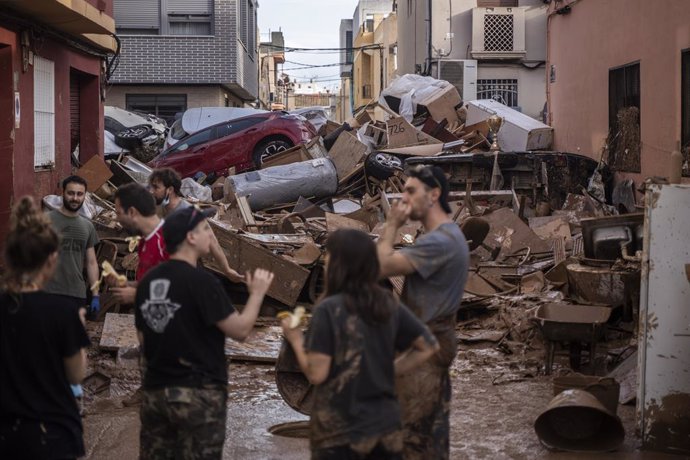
95 305
77 391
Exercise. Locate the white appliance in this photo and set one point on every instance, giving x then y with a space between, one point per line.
663 397
519 132
461 73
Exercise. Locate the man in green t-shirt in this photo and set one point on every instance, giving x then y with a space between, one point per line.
78 238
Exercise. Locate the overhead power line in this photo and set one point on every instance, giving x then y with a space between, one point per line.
288 49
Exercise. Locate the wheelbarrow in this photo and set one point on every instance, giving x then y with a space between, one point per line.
574 324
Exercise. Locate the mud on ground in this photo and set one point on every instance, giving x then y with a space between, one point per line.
496 398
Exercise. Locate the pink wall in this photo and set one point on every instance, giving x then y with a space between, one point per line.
599 35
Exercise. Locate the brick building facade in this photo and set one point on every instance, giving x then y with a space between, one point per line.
207 63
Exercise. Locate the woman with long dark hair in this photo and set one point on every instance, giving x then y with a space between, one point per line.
42 347
350 355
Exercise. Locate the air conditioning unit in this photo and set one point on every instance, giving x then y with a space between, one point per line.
461 73
498 33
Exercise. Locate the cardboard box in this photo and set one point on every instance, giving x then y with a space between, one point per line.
519 132
441 104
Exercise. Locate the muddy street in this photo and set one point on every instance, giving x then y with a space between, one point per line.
495 402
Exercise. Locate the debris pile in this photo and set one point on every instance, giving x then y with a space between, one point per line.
540 239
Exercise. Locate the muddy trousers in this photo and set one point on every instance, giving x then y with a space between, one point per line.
179 423
424 396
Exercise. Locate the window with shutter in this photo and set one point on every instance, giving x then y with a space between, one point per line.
179 17
141 17
44 113
251 19
244 25
190 17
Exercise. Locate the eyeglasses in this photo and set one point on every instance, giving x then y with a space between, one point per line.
424 173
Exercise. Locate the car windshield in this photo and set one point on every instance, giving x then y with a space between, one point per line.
191 141
176 130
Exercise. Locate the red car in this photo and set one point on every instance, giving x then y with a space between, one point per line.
243 143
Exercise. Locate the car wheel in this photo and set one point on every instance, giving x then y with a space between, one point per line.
130 138
382 165
268 149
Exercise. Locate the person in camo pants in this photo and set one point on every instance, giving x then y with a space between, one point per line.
182 317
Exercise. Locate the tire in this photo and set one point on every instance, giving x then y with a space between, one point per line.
130 138
382 165
267 149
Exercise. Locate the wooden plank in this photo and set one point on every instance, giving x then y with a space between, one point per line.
245 211
346 153
118 332
244 255
277 238
293 155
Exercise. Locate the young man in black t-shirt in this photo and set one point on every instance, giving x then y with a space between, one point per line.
182 317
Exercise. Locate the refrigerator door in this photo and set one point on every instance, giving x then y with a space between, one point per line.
663 403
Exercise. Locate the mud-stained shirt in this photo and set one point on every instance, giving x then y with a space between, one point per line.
357 400
441 260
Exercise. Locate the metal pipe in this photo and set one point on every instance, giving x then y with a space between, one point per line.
429 45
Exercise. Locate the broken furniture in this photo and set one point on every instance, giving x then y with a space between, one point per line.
560 322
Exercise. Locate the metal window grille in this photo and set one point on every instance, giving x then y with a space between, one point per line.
366 91
498 32
44 112
503 91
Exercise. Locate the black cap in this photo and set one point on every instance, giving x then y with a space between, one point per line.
433 177
181 222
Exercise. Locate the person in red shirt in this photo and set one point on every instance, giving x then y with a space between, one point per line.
135 209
